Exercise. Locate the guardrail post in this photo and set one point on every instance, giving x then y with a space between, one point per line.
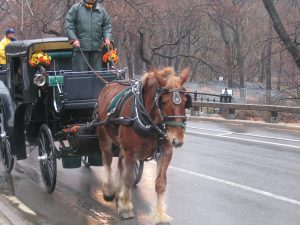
274 117
195 109
231 114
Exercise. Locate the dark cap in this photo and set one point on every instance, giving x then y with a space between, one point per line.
10 31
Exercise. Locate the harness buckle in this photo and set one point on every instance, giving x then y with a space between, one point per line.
157 154
111 111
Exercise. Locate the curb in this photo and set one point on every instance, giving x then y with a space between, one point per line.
285 126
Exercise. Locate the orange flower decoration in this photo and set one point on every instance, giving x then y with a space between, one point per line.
110 56
40 58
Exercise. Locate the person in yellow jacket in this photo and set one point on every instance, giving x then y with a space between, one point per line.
9 37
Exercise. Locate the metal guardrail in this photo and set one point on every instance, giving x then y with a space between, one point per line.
269 108
205 97
273 109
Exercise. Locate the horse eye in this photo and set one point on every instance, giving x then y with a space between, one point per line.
163 102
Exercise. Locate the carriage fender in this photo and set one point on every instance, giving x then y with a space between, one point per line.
8 105
9 108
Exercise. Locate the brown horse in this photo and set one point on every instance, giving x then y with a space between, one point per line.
149 120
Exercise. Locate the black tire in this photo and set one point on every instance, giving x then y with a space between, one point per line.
5 148
139 167
47 158
6 155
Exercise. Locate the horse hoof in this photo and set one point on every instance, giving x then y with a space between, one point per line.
127 215
163 223
109 198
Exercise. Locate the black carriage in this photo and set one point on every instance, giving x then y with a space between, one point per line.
50 107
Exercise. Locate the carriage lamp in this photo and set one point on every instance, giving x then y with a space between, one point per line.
39 80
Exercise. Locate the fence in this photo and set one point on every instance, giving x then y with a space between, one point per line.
232 107
223 102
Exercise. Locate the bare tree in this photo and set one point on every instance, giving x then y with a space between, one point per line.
281 31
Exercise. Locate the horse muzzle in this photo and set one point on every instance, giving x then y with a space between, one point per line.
176 143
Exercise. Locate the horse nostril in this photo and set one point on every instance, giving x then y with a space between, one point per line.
176 143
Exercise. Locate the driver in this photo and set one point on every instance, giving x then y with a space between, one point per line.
9 37
87 24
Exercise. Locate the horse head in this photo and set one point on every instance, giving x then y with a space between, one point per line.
171 101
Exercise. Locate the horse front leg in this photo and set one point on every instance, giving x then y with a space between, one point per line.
161 217
126 173
108 188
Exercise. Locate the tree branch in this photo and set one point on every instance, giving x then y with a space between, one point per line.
282 33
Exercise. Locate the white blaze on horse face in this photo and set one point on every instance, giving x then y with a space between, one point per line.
174 108
176 136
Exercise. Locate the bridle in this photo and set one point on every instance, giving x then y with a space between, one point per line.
141 117
170 120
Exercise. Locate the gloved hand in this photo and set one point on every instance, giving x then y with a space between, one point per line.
75 44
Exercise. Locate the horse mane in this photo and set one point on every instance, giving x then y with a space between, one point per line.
167 73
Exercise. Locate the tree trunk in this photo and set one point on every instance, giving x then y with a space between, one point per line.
262 68
227 54
128 55
268 65
240 59
138 64
279 71
282 33
130 67
142 51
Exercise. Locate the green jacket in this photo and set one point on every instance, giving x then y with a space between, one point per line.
89 26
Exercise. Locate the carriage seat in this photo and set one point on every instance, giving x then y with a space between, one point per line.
61 60
81 89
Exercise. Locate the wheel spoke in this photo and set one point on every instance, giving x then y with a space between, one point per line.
2 150
6 156
48 164
50 172
5 159
42 142
5 150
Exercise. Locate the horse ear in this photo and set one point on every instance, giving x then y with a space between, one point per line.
159 77
184 75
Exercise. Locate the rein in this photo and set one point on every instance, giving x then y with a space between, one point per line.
89 65
140 118
138 109
92 69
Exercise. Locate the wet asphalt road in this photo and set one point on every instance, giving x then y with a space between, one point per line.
225 174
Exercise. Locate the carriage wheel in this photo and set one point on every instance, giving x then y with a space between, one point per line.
47 158
139 167
6 155
5 147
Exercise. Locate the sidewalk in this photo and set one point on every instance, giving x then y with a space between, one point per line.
4 220
9 215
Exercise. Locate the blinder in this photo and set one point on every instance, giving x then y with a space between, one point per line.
176 98
188 103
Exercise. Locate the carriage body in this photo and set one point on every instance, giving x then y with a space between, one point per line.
39 106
